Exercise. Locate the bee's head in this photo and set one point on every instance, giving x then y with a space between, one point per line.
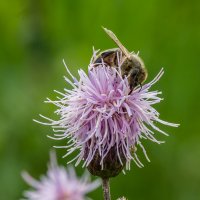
133 67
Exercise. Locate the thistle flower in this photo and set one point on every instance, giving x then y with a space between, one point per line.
59 184
104 121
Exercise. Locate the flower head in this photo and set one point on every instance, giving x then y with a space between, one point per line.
59 184
103 119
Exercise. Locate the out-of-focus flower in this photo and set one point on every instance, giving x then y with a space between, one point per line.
59 184
122 198
103 120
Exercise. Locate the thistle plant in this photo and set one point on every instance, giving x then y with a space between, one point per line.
105 120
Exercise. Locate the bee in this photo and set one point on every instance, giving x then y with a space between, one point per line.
131 65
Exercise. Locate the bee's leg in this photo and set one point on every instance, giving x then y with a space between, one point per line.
140 84
131 89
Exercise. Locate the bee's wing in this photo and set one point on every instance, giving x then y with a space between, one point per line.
116 40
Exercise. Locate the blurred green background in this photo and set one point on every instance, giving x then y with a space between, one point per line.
36 35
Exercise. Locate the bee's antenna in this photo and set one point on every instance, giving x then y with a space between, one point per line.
116 40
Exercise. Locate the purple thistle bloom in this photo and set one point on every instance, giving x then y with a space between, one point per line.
59 184
99 114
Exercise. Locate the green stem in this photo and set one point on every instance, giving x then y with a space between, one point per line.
106 188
